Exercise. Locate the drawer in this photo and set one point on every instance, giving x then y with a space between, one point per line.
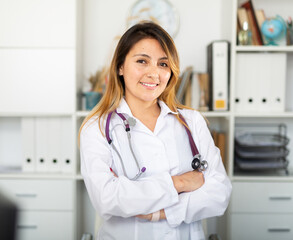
36 225
261 226
262 197
40 194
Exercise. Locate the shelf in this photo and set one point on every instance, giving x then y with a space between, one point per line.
38 176
18 114
82 113
79 177
262 178
264 48
264 114
216 114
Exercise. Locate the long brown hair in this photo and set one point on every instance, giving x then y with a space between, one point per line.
115 86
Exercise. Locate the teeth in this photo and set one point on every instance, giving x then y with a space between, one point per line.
149 85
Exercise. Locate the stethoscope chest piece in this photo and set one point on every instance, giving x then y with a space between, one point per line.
197 164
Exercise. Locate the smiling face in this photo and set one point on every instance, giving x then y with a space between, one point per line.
146 71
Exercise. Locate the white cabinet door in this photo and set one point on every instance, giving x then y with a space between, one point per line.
40 194
42 225
261 227
37 81
35 23
262 197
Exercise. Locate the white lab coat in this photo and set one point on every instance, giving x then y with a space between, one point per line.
164 152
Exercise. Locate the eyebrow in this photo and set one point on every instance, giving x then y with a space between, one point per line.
147 56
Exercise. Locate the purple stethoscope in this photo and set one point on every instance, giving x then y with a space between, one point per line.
196 163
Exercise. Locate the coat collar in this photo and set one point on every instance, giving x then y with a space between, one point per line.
124 108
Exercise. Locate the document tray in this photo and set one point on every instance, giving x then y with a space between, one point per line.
261 153
260 165
263 140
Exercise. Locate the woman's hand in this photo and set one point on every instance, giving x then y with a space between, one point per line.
188 182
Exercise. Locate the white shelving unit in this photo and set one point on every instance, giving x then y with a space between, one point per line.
261 203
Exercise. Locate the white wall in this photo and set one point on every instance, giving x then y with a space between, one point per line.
200 23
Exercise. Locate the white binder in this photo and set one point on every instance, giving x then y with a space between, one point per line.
41 144
67 145
260 82
246 89
278 82
218 69
54 144
28 144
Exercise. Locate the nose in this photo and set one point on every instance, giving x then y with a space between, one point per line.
153 72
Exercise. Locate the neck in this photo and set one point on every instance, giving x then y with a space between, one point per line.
146 112
144 109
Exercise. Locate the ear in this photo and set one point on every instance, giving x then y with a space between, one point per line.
121 71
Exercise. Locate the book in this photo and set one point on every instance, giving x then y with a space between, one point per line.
204 99
183 84
260 17
197 92
188 95
242 17
219 138
256 33
221 144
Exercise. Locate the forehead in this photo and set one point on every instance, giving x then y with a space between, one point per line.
148 45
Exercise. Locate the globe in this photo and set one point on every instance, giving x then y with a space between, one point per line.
273 29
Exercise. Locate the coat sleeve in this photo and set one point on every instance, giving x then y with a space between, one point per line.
119 196
213 197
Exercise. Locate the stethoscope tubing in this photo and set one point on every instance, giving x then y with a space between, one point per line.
110 141
196 163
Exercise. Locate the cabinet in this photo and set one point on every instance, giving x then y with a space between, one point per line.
39 68
261 202
44 206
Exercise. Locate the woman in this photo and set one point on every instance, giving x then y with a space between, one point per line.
144 186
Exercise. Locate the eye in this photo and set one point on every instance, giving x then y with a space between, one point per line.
163 64
141 61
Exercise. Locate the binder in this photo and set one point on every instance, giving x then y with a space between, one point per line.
28 144
67 145
278 82
218 70
41 137
54 144
247 75
260 82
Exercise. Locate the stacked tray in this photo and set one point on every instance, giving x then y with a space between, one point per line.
261 151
